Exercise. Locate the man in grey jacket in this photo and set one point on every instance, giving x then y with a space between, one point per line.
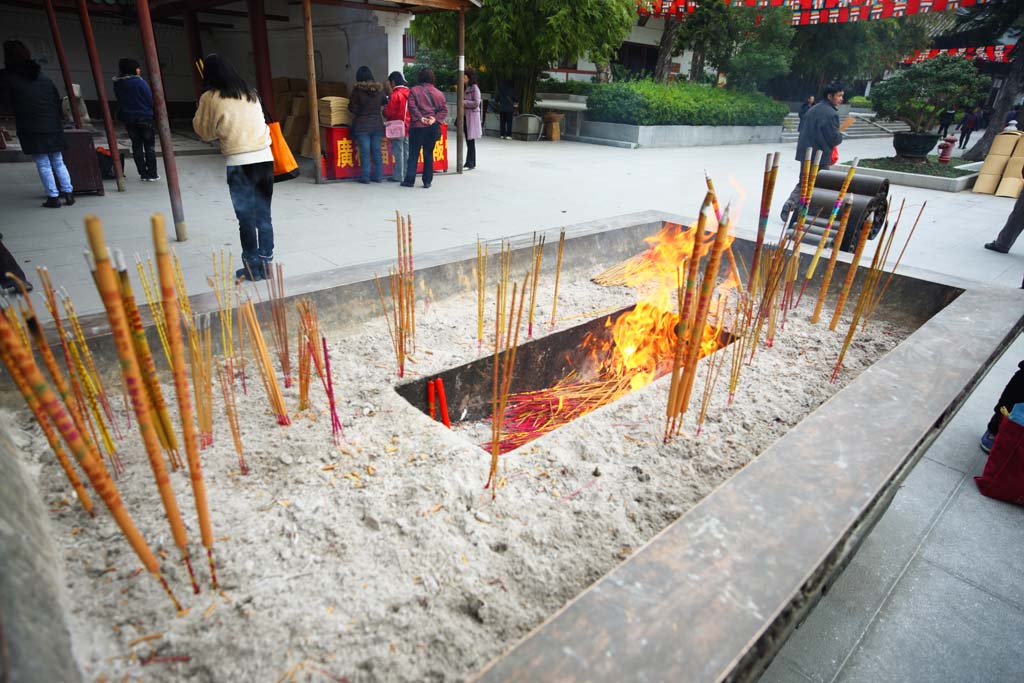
819 130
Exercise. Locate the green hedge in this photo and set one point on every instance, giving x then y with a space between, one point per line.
860 102
646 103
570 87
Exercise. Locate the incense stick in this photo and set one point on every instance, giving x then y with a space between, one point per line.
537 256
558 274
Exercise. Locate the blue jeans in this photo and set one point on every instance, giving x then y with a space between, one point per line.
369 150
49 165
400 151
252 188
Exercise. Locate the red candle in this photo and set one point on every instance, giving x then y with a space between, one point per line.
430 400
444 403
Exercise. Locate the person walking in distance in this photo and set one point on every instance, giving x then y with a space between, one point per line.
945 121
427 108
506 105
804 108
230 112
37 119
397 109
968 124
820 130
135 111
472 124
366 104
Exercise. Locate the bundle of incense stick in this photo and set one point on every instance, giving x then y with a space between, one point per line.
481 288
862 240
714 363
149 287
308 349
393 319
504 364
503 278
264 364
826 279
227 388
223 285
828 228
82 385
405 279
169 301
558 275
742 322
733 269
536 256
337 433
124 383
90 362
696 331
162 418
15 352
873 304
106 281
771 172
806 193
772 281
279 321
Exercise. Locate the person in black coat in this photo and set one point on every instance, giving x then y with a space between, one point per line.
38 120
804 108
820 131
945 121
505 103
135 110
968 124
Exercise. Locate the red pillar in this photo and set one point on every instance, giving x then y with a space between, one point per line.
62 59
101 91
163 125
261 53
195 49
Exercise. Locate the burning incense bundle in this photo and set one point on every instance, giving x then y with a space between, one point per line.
264 364
106 281
558 274
771 172
718 217
836 244
88 458
503 376
169 299
828 229
162 423
481 289
536 256
865 231
149 287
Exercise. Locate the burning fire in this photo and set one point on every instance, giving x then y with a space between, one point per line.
635 347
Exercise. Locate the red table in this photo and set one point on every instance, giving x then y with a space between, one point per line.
343 154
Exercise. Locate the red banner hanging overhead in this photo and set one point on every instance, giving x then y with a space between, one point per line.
810 12
986 53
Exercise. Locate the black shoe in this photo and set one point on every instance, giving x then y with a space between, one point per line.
364 181
52 203
426 186
392 180
252 273
995 246
376 180
69 199
408 184
467 167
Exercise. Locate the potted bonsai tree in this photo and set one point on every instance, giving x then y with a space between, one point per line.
918 94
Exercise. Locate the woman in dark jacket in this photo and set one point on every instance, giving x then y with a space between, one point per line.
38 120
366 104
135 109
427 108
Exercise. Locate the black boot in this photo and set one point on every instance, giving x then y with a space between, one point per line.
52 203
69 199
253 271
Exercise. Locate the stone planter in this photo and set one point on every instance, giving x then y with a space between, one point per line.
928 182
623 134
914 145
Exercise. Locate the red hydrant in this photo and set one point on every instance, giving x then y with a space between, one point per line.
946 149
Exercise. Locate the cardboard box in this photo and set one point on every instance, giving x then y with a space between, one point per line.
279 85
300 105
1010 187
293 125
1004 144
331 89
1018 151
297 85
987 183
994 164
282 105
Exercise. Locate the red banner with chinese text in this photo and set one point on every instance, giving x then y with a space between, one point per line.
987 53
811 12
343 160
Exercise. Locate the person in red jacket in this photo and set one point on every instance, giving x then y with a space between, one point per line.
397 109
427 109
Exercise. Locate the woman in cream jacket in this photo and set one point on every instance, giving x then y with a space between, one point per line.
230 112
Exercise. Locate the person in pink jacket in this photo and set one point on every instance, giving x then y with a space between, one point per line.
473 123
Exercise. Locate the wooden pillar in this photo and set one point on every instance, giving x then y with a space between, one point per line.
314 113
163 125
58 46
460 90
101 91
195 49
261 53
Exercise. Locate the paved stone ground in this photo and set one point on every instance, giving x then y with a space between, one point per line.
935 592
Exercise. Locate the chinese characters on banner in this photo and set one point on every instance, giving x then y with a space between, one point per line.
810 12
986 53
343 159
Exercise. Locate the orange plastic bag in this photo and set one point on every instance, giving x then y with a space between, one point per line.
285 166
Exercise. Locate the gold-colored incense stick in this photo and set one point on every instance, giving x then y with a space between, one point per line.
149 287
862 239
481 288
537 256
558 274
830 269
264 363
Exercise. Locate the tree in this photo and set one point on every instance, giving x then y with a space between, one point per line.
710 33
520 39
918 94
764 50
666 49
987 24
856 50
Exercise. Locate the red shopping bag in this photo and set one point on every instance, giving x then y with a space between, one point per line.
1003 477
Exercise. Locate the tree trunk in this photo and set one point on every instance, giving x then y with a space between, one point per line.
1000 108
604 73
666 47
528 93
696 65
